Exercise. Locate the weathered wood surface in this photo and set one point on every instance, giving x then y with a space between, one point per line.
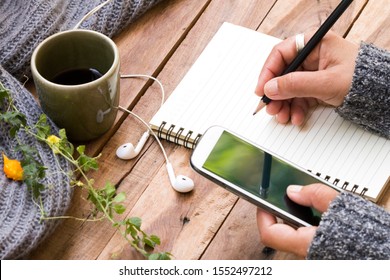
208 223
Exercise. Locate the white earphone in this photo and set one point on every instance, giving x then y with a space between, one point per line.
127 151
180 183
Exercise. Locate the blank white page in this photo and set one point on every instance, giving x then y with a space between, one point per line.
219 90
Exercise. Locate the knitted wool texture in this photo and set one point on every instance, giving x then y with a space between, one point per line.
352 229
23 25
20 226
368 100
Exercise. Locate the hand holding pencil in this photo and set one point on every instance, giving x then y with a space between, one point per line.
324 76
304 50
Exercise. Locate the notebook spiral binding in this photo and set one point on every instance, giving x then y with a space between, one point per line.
356 189
179 137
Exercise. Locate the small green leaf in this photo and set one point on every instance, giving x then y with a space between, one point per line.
96 199
85 162
37 188
42 127
15 119
109 190
4 95
80 149
136 222
120 197
119 208
29 153
160 256
65 145
155 239
149 242
154 256
62 134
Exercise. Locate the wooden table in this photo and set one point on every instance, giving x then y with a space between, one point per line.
208 223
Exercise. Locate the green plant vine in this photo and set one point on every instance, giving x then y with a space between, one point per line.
106 201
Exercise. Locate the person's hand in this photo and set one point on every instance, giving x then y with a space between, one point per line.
325 76
286 238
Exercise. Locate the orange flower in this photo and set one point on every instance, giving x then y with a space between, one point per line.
12 169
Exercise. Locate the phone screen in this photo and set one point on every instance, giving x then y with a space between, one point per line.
259 173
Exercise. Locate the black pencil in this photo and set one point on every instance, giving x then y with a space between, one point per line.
311 44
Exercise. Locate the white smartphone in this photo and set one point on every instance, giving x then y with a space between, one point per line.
255 174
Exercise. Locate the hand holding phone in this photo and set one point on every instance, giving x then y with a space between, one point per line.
254 174
285 238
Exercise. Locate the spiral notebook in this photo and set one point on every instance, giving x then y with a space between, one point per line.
219 90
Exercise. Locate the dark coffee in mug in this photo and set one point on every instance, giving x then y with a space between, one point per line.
77 76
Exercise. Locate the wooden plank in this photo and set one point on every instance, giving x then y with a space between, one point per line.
143 46
207 206
290 17
373 24
286 18
228 244
235 240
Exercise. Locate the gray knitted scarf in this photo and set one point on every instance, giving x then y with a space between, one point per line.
23 25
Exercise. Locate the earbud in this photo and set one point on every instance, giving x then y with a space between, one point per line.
180 183
127 151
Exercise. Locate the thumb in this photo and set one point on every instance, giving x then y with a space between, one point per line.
301 84
318 196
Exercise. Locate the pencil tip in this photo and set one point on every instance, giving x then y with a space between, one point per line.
259 107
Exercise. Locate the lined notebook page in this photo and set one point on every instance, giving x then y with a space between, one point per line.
219 90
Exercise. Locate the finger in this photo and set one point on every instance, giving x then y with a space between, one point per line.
265 219
274 107
284 114
300 84
318 196
280 56
299 109
283 237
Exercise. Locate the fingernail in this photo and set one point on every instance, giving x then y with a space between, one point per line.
294 188
271 87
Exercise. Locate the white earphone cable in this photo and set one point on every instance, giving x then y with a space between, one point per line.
142 120
150 130
91 12
148 77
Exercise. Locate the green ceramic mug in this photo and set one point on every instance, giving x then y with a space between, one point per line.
76 75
